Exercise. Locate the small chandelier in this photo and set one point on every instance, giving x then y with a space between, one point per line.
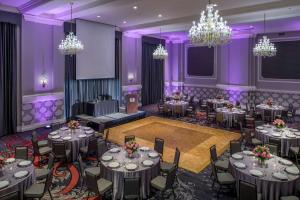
70 45
211 30
160 53
264 47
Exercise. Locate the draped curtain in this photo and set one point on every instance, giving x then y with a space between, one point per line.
152 73
8 78
77 91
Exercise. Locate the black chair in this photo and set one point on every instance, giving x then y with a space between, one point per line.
101 149
41 143
40 151
273 149
235 147
99 186
276 142
90 149
129 138
248 191
61 152
267 115
159 146
167 167
131 188
21 153
10 196
83 168
41 173
220 164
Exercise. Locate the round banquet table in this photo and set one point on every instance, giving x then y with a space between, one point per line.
217 103
16 184
231 114
173 104
289 137
275 110
270 187
117 175
76 141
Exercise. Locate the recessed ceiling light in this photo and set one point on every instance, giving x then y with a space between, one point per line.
98 16
135 7
159 15
124 22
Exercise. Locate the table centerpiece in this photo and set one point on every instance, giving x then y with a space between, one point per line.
73 124
131 148
269 102
279 123
230 106
262 153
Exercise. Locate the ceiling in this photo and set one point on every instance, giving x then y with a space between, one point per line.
175 15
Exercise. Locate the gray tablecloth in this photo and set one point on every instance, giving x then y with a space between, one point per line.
19 185
173 104
117 175
275 110
100 108
286 140
75 143
231 115
270 187
217 103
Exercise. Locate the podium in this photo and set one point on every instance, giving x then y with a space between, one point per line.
132 103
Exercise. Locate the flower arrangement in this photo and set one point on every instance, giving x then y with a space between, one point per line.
2 162
279 123
177 96
73 124
269 102
230 106
262 153
131 147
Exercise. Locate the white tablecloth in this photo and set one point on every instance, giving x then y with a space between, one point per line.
173 104
231 114
217 103
275 110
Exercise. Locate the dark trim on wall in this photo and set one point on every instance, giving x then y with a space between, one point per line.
152 40
13 18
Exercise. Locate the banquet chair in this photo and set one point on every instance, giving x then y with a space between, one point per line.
10 196
41 143
258 123
289 198
21 153
40 151
295 152
37 190
267 115
132 188
101 149
61 152
167 111
41 173
248 191
222 178
162 183
235 147
178 111
129 138
218 163
277 143
99 186
250 139
220 119
250 122
90 149
83 168
159 146
167 167
273 149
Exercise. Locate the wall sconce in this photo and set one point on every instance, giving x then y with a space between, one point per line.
43 80
130 77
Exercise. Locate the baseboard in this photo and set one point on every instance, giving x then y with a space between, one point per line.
39 125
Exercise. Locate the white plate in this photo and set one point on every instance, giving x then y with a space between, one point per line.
297 133
263 131
4 184
240 165
237 156
55 136
131 166
153 155
292 170
67 138
53 133
86 128
144 148
21 174
114 150
260 127
276 134
64 128
82 135
280 176
248 153
107 158
267 125
10 160
290 136
256 173
89 131
285 162
148 162
114 164
24 163
293 130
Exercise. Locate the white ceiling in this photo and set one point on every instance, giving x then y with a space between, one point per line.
177 15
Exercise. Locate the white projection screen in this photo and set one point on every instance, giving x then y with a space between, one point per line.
97 60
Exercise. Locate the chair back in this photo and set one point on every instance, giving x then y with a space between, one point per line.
21 153
106 135
235 147
258 123
91 182
213 153
132 188
178 109
92 146
171 178
35 146
247 191
177 157
276 142
81 165
50 160
101 149
159 145
34 135
219 117
59 149
48 182
267 113
10 196
129 138
214 170
273 149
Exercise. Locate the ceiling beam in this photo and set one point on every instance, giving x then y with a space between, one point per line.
32 4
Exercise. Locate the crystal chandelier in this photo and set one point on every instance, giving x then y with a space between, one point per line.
160 53
70 45
264 47
211 30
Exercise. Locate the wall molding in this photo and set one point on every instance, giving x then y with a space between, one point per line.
42 20
198 85
131 87
43 97
277 91
39 125
236 87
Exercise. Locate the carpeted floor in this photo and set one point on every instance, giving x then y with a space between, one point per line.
192 140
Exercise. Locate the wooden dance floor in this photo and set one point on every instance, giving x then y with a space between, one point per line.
192 140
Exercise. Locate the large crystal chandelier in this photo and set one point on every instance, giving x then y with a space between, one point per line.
264 47
70 45
211 30
160 53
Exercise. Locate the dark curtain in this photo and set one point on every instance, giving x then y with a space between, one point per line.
79 91
8 78
152 73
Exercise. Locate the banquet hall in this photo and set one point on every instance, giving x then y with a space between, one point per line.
150 99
